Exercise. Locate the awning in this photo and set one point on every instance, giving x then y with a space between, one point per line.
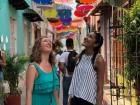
32 15
102 4
100 7
19 4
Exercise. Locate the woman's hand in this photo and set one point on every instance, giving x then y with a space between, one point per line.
56 97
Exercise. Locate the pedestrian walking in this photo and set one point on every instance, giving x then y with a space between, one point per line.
67 65
41 79
87 82
58 51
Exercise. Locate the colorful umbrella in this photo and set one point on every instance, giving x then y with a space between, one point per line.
50 13
80 13
63 1
55 24
77 20
64 13
53 20
43 1
84 7
61 7
61 27
66 24
66 20
87 1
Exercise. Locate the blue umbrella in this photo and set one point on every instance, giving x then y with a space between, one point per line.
43 1
64 13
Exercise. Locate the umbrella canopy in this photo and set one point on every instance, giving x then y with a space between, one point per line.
43 1
61 7
80 13
55 24
84 7
66 20
64 13
50 13
63 1
53 20
87 1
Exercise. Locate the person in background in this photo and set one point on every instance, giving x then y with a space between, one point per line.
42 83
2 64
57 46
57 50
88 79
67 64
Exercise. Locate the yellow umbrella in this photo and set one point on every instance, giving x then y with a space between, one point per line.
50 13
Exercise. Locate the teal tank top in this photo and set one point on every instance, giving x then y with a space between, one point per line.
44 85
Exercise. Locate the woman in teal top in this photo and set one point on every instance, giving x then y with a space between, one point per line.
42 83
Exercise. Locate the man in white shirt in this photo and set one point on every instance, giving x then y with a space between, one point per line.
65 69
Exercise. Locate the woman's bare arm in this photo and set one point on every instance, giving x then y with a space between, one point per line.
30 77
100 79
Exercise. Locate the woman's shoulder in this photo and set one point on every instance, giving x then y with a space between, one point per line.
31 66
99 58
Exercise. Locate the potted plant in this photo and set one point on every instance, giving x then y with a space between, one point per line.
131 38
14 65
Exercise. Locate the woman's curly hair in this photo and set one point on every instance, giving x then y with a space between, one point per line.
36 53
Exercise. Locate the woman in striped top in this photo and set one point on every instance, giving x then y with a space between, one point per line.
87 82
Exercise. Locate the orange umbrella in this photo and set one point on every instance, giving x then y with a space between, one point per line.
87 1
55 23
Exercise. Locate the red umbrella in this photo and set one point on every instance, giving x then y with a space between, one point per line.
80 13
84 7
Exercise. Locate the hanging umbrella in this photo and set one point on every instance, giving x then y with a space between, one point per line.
55 24
64 13
77 20
61 7
87 1
84 7
61 27
50 13
53 20
43 1
80 13
76 24
63 1
66 20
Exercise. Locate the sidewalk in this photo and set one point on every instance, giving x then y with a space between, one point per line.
107 98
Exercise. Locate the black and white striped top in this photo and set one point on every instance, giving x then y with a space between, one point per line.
84 81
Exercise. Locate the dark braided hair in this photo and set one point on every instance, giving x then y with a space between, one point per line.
99 42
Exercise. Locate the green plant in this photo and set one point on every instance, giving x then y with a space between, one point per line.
14 65
131 25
